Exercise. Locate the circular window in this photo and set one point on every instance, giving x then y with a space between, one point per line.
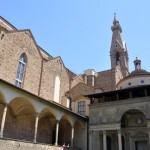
138 120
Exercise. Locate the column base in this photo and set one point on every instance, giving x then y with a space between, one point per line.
1 136
34 141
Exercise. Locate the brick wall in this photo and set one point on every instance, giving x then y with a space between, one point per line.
51 69
105 80
11 47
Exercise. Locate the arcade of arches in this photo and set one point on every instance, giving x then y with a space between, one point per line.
25 117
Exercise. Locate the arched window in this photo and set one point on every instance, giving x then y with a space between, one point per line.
81 108
21 70
57 89
117 58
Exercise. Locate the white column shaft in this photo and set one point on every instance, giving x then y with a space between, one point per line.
119 140
36 127
57 129
3 120
149 137
72 136
104 141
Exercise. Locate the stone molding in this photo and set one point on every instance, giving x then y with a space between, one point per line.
102 127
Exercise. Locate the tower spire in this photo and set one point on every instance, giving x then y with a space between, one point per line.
116 25
115 18
118 50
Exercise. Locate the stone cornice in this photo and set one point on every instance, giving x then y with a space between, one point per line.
122 102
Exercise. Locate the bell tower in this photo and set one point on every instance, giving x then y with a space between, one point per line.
118 50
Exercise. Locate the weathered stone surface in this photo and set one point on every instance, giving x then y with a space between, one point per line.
22 145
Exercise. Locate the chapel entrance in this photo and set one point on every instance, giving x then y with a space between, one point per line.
141 145
134 129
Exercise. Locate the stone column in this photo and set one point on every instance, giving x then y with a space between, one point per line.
72 136
104 140
90 140
119 140
149 138
36 127
3 120
57 129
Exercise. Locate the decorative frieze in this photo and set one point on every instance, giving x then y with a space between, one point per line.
105 127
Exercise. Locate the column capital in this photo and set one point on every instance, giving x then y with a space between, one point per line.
5 104
119 131
104 131
57 121
37 114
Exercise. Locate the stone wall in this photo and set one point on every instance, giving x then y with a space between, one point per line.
11 47
20 145
105 80
76 80
37 78
52 69
80 90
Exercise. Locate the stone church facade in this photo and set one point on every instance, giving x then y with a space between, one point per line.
43 102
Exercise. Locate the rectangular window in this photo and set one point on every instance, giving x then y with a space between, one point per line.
81 108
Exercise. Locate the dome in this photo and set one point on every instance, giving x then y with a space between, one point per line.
139 72
138 77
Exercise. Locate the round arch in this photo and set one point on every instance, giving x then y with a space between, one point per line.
68 118
2 98
81 124
46 126
65 127
133 118
120 114
47 111
20 119
19 102
79 133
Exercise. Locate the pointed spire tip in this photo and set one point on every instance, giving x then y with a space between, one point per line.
115 18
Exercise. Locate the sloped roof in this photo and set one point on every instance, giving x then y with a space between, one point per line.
139 72
79 90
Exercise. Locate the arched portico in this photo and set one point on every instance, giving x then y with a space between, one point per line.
20 119
79 134
27 117
46 127
65 128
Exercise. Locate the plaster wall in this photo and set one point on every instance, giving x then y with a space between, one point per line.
134 81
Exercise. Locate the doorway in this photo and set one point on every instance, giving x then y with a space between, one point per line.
141 145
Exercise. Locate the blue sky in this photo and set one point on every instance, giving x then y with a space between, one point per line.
80 30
